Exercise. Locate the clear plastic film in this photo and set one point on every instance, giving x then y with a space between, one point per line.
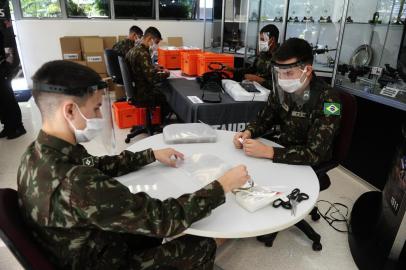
204 167
189 133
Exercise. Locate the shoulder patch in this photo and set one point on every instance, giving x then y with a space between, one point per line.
331 108
88 161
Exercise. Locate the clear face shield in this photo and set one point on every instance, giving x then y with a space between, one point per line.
289 80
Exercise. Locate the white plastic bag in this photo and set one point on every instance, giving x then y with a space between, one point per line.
204 167
189 133
238 93
257 197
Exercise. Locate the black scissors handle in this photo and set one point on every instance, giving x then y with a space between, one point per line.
297 195
302 197
280 202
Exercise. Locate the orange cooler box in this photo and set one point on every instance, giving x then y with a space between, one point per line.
126 115
205 59
170 57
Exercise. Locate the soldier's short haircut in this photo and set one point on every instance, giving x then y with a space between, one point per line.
271 30
153 32
295 48
56 80
136 30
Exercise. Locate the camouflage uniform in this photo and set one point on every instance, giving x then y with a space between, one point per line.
86 219
306 131
144 74
124 46
261 67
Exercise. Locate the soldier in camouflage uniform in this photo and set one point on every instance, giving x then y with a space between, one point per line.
146 76
124 46
259 71
84 218
305 110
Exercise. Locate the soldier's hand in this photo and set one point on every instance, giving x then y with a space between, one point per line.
234 178
256 148
254 78
241 136
168 156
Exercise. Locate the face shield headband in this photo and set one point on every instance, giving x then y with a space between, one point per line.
72 91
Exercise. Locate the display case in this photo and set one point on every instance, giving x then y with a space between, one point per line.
236 30
236 26
372 56
319 23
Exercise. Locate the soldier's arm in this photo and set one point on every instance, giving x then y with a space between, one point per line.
320 140
98 200
148 68
265 118
123 163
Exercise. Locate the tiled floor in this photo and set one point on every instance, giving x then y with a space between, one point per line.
291 249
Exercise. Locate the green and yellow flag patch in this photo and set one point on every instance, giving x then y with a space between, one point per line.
332 108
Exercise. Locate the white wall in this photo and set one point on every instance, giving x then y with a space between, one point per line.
39 39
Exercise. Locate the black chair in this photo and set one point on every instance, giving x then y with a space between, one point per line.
149 106
112 65
341 146
17 236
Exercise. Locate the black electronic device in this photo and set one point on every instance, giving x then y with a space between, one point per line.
249 87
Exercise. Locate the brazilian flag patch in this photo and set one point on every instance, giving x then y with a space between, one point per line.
332 108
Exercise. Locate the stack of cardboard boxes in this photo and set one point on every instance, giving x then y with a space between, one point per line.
87 50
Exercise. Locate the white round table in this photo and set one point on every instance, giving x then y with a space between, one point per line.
228 220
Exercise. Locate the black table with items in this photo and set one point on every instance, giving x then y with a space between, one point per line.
228 114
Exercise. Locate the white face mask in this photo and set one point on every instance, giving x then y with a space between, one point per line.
263 46
93 127
292 85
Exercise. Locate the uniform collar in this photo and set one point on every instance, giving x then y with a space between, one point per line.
75 153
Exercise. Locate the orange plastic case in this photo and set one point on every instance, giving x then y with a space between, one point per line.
126 115
189 63
205 59
170 57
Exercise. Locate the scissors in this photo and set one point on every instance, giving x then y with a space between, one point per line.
294 198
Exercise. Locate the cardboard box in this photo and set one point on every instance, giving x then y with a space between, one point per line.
120 38
108 42
175 41
104 76
81 62
95 60
93 53
91 44
119 91
70 47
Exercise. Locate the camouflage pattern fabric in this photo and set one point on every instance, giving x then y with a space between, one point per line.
306 131
261 67
144 74
124 46
85 219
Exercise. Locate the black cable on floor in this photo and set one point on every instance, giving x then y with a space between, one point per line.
334 214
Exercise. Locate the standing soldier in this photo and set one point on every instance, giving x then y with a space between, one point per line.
84 218
123 46
10 113
303 112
